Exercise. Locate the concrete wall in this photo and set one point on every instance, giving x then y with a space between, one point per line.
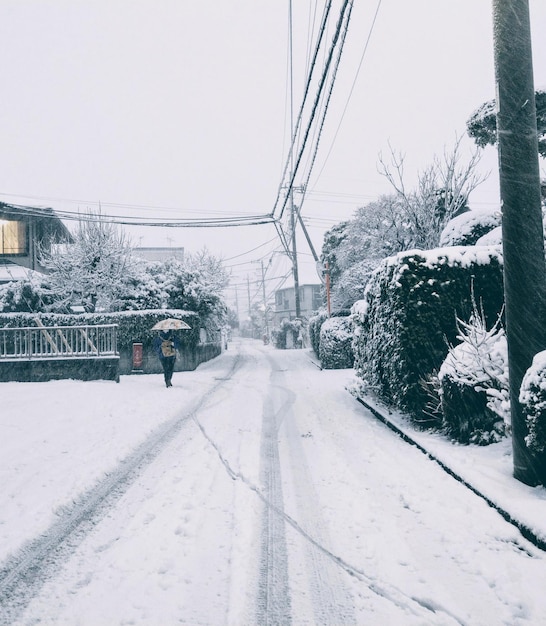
58 369
187 361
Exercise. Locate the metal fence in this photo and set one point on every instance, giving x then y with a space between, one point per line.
58 342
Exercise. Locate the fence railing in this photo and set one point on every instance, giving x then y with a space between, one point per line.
58 342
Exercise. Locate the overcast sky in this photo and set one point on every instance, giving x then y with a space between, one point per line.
178 108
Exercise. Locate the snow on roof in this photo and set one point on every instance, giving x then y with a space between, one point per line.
10 272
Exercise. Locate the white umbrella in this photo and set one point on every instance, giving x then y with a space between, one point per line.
171 324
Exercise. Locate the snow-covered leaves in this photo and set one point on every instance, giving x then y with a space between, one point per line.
92 270
336 337
410 308
467 228
533 401
474 389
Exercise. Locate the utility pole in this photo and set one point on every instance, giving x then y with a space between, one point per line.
248 293
265 302
291 190
522 231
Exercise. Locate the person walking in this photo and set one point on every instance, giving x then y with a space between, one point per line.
166 347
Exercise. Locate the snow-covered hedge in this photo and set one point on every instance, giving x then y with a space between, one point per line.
280 336
336 338
532 397
133 326
467 228
474 392
315 324
408 316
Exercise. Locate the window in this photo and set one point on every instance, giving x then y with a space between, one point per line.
317 297
13 237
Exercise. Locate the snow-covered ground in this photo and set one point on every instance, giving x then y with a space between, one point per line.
255 491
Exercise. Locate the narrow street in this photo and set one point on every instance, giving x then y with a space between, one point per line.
273 497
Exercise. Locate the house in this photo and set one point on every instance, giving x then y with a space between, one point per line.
23 230
311 300
160 254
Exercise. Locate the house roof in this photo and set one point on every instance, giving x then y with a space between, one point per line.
55 227
11 271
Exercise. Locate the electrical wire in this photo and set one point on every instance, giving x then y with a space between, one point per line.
372 27
322 83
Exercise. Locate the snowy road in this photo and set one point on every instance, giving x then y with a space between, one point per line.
260 492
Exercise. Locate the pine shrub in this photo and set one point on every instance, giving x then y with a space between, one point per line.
474 391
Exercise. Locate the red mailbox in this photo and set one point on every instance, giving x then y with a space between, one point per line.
137 356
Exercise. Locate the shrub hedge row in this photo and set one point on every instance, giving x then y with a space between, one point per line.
133 326
336 339
407 318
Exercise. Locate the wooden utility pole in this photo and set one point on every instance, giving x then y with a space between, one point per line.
522 231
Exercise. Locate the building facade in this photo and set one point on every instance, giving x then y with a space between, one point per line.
285 303
23 231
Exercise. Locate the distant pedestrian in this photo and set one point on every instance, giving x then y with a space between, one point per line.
166 346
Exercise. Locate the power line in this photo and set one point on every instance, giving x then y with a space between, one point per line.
322 83
352 86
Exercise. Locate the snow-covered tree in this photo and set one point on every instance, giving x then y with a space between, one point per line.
332 244
144 287
197 284
482 124
441 193
30 296
91 271
403 220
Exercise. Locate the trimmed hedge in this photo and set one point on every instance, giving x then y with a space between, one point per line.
532 397
133 326
466 229
336 339
315 324
407 318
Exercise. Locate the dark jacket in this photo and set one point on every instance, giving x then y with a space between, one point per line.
166 343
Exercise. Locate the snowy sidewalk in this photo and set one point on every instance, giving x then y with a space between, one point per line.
486 469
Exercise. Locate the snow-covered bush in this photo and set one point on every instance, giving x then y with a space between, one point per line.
24 295
492 238
474 391
410 309
133 326
352 282
532 397
293 327
315 324
336 338
467 228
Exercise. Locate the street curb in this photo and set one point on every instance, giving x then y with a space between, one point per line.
526 532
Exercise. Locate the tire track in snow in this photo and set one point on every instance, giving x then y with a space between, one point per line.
273 605
23 574
268 592
330 599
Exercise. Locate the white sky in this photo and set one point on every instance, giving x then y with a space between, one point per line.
182 107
